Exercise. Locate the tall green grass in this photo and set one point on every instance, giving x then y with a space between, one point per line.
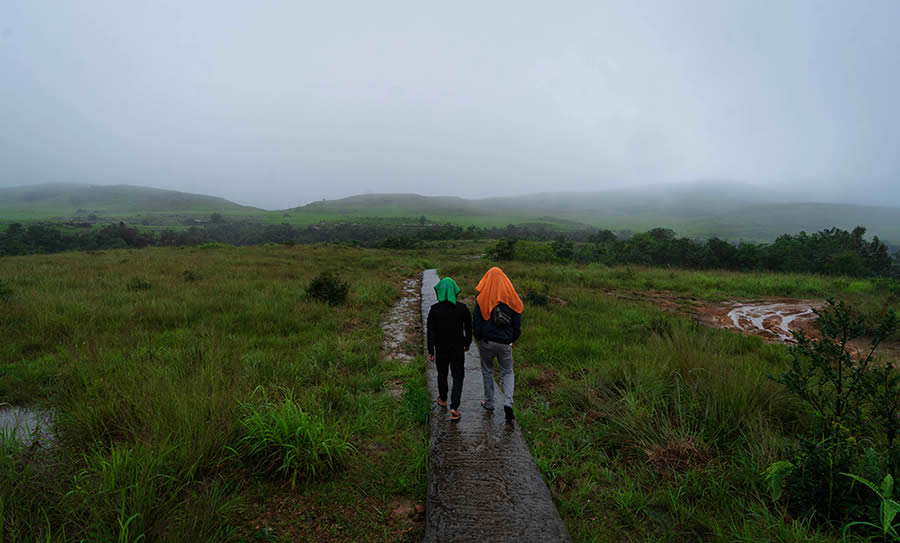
646 425
159 435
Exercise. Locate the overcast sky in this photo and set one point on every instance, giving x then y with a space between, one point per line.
278 103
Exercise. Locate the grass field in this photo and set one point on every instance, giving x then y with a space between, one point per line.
201 395
217 405
647 426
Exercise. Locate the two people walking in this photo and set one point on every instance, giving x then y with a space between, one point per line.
495 325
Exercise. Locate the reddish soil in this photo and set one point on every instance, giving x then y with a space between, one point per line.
770 318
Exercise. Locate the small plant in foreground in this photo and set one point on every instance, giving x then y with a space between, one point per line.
328 288
138 283
282 438
887 510
191 275
5 292
854 401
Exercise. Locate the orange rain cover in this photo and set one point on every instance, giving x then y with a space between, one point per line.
494 288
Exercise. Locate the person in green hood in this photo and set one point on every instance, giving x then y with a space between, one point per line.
449 334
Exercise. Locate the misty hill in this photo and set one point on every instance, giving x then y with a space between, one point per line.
68 200
764 223
682 200
730 211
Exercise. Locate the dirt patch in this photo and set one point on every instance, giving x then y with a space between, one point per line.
544 382
402 328
292 517
769 318
677 456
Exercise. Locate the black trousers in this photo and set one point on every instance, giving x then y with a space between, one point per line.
454 359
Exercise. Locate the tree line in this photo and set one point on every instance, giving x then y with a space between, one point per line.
831 251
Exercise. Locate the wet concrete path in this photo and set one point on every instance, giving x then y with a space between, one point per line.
483 484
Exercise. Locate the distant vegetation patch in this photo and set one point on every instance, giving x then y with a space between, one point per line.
328 288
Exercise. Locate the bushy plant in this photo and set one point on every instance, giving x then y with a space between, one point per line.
505 249
854 402
5 292
284 440
563 248
328 288
535 292
191 275
138 283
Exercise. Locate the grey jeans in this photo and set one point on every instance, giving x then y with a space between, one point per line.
488 350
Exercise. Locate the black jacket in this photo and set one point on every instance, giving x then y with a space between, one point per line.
485 329
449 325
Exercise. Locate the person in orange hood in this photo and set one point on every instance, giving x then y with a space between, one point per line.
497 323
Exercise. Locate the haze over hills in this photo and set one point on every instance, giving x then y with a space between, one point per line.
703 209
66 200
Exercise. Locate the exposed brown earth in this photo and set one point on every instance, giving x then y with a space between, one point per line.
770 318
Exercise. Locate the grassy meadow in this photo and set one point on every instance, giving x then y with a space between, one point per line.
201 395
646 425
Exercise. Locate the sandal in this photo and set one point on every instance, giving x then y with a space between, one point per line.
442 403
485 405
454 414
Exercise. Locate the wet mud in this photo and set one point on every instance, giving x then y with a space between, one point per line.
770 318
483 484
402 328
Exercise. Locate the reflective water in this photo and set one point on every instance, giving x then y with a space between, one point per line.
25 424
773 319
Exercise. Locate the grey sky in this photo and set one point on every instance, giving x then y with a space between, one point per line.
279 103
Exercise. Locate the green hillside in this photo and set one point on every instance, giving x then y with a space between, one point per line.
730 211
764 223
65 201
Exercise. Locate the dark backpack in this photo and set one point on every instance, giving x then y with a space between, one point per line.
500 318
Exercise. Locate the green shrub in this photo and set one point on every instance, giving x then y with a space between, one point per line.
855 403
191 275
504 250
284 440
5 292
328 288
535 292
138 283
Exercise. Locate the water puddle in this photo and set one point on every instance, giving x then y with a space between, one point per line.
772 320
402 331
25 425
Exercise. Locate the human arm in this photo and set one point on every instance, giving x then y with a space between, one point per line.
429 333
516 326
477 323
467 325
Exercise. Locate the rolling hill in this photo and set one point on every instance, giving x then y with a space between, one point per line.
730 211
65 201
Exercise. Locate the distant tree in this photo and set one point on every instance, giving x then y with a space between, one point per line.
563 249
216 218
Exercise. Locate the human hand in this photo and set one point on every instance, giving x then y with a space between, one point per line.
431 357
466 349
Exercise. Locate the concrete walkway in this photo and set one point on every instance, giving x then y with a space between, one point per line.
483 484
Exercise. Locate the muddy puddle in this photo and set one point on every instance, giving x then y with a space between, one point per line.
402 329
25 425
769 318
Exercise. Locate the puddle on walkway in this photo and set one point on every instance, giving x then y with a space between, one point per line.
402 329
25 425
